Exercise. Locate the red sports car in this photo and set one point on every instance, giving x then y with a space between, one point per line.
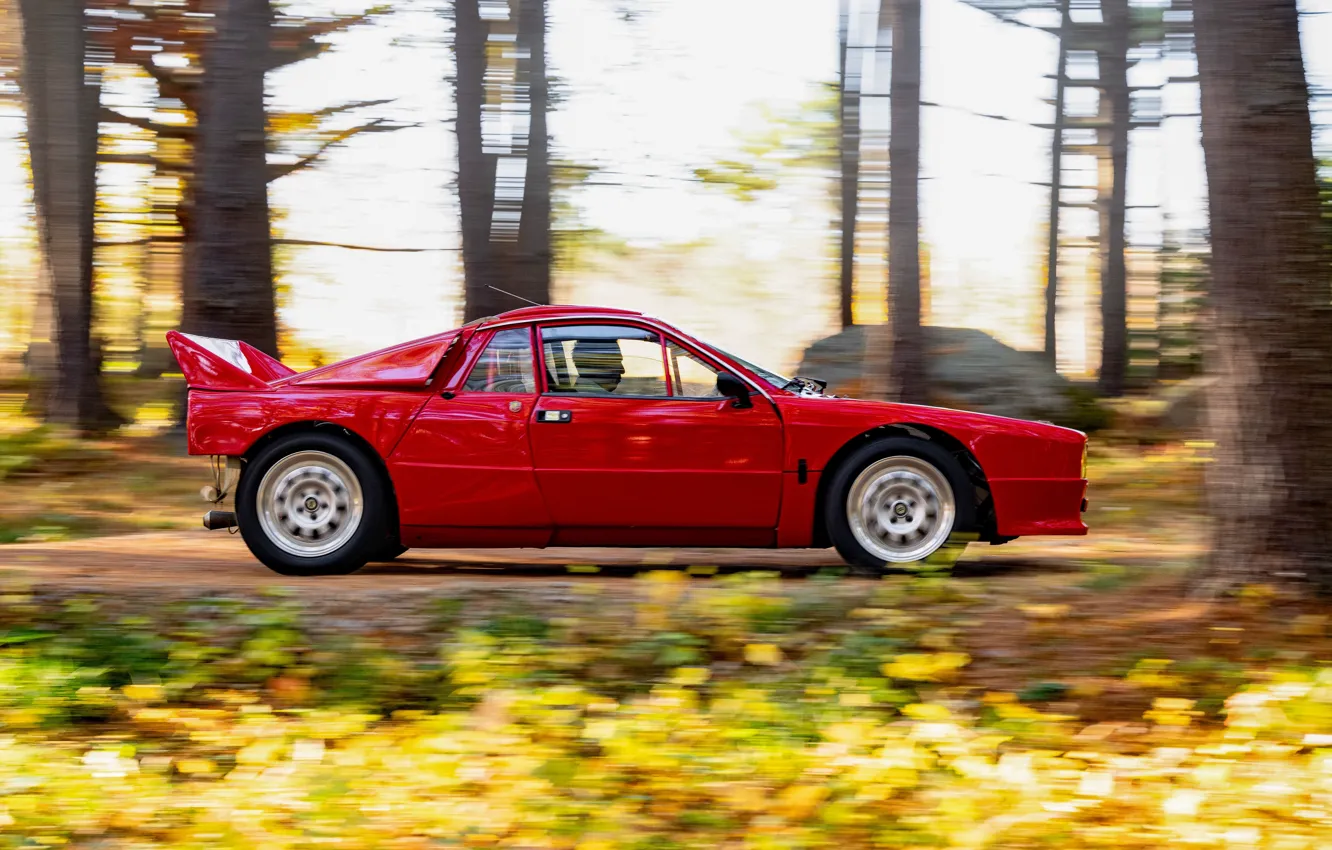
580 426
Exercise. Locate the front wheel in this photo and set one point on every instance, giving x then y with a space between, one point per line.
312 504
897 501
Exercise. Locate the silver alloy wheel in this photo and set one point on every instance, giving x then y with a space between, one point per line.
309 504
901 509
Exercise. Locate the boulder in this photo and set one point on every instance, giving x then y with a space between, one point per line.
968 369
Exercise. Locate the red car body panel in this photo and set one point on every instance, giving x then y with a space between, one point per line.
467 462
1034 470
230 423
203 367
230 409
262 366
409 366
699 463
474 468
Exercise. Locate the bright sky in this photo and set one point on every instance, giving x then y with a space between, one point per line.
650 99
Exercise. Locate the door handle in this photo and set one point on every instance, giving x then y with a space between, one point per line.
555 416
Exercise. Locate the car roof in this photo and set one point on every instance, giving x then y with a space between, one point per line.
539 312
554 311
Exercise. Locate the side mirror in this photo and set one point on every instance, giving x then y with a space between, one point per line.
732 387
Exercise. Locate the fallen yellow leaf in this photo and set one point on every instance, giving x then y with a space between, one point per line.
763 654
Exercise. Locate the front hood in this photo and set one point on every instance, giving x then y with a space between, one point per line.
1005 448
887 412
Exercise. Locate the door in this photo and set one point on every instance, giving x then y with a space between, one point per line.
620 443
466 462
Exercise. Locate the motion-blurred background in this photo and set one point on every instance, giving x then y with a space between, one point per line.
1111 214
722 165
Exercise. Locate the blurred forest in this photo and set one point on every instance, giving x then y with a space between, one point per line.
1142 229
1111 214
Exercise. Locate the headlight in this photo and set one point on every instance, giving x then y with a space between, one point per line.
1084 460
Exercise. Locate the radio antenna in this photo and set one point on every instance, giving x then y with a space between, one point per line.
519 297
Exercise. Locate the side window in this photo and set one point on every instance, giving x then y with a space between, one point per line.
506 364
691 377
603 360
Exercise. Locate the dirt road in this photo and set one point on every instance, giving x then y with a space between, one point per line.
216 561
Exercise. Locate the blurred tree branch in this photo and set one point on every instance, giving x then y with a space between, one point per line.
313 243
379 125
170 131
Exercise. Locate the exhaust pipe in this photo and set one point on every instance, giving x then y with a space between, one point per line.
217 520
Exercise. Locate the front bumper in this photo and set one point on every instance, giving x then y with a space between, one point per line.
1034 507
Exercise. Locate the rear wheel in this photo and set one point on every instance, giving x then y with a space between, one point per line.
312 504
898 501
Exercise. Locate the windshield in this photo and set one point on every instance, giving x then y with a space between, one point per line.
767 375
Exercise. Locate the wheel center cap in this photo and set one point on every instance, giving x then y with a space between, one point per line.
900 509
311 504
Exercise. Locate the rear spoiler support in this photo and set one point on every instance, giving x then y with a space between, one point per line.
223 364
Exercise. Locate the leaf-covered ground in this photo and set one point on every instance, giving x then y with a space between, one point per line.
669 711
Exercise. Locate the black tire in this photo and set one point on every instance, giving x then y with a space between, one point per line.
388 552
369 536
861 560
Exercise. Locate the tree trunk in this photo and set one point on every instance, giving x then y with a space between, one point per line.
1056 189
1113 62
1270 351
62 100
504 179
163 277
232 291
532 272
848 116
907 365
476 170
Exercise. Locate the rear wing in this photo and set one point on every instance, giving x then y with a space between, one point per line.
228 364
224 364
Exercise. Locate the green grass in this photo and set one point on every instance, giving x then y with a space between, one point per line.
56 487
44 451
